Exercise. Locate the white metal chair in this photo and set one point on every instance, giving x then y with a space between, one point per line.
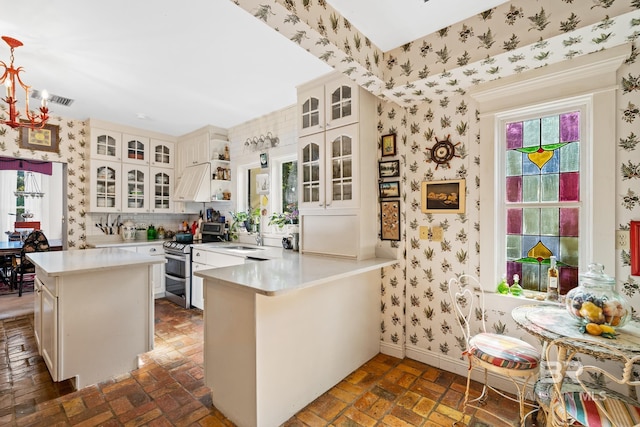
581 394
502 354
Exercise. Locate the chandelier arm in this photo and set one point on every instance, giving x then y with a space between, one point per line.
33 120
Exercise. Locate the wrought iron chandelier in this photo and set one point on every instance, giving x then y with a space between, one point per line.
31 188
9 78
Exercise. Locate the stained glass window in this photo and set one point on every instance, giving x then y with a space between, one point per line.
542 198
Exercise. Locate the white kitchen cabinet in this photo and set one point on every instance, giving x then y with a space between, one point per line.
135 188
136 149
146 189
138 185
37 311
96 313
202 259
49 330
337 169
327 103
161 186
329 164
199 147
105 186
106 145
163 153
157 274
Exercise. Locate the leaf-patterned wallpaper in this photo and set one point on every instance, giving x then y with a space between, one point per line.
74 152
423 96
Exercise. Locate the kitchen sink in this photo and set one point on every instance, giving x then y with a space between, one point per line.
242 248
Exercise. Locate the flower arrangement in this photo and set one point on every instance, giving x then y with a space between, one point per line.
290 216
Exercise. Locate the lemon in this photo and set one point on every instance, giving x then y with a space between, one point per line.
606 329
593 329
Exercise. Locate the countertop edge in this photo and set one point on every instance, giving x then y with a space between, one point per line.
61 263
350 268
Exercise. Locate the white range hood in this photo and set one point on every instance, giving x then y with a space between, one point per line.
195 184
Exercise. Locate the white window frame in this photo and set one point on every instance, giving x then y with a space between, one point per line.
275 179
590 80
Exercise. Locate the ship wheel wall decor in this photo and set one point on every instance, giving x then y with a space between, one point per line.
442 152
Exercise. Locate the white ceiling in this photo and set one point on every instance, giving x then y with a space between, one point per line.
392 23
177 66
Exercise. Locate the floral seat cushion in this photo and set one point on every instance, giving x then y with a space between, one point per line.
581 410
504 351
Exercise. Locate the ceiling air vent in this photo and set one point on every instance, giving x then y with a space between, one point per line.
53 98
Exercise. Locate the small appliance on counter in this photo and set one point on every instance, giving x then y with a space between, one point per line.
213 232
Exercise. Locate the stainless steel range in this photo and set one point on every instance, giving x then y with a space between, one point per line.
178 273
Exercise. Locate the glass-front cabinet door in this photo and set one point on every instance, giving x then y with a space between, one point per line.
341 103
162 153
341 167
162 189
106 145
136 188
311 167
136 149
311 111
105 190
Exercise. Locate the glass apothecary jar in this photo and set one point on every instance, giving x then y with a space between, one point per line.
596 300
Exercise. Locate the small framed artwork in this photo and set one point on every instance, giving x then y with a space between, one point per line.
45 139
389 145
264 160
262 183
443 196
634 247
389 189
389 169
390 220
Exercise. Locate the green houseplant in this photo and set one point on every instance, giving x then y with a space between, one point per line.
289 216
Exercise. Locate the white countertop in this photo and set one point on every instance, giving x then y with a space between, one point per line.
287 271
59 263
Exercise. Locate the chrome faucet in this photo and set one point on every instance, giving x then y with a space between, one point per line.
259 240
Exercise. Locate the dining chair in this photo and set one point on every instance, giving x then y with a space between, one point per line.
590 395
491 352
36 241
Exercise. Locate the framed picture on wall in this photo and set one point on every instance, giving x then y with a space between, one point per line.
389 145
389 169
262 183
389 189
45 139
390 220
443 196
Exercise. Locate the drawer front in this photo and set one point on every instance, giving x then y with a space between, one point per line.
199 255
151 249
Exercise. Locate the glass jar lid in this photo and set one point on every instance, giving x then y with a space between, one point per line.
596 276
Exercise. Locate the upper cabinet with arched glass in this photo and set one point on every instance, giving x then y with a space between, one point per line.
135 149
106 145
163 153
327 105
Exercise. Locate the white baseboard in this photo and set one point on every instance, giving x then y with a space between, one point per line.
395 350
461 366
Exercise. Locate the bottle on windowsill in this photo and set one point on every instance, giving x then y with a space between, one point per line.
503 287
515 289
552 282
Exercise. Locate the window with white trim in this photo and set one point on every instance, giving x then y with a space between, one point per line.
587 84
541 193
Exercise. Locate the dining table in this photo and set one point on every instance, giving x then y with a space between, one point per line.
10 249
551 321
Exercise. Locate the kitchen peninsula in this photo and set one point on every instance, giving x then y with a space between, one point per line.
282 330
93 312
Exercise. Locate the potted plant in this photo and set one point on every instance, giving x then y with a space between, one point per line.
289 216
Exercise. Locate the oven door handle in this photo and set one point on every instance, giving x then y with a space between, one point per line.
176 257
